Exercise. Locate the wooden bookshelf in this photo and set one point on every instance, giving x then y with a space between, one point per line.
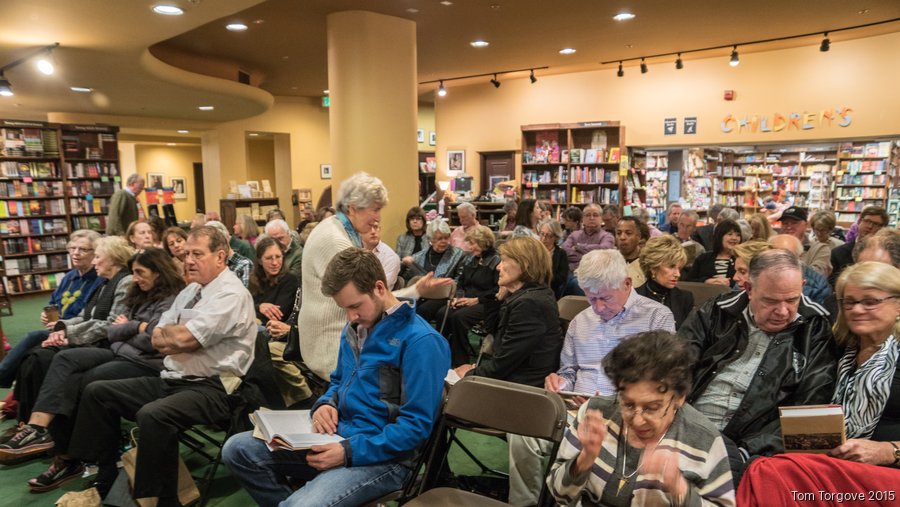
54 179
229 209
573 163
865 177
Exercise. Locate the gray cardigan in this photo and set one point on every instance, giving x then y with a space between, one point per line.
83 330
127 341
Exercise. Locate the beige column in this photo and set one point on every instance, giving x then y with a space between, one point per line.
372 83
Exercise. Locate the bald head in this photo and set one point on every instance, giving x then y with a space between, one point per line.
787 242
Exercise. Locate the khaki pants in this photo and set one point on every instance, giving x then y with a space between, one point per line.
527 462
290 381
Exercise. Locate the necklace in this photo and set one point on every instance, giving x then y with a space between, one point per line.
623 479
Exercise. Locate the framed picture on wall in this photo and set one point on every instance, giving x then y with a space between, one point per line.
432 138
178 187
154 180
420 135
456 162
325 171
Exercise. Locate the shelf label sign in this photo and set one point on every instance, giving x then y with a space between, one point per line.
670 125
778 122
690 125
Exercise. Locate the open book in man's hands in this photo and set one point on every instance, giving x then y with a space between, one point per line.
288 430
812 428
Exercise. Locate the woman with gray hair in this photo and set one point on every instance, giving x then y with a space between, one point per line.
551 232
360 199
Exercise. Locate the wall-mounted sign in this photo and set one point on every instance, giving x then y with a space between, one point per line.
779 122
670 124
690 125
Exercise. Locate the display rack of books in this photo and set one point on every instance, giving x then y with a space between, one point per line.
90 155
257 208
573 164
703 173
862 179
33 217
647 182
893 207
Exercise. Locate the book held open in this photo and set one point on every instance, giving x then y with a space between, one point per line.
288 430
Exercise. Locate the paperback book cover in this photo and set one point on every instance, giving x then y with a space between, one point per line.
812 428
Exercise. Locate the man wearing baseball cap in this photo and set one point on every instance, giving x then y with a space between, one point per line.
818 255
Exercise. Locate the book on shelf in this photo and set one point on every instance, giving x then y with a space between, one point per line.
288 430
812 428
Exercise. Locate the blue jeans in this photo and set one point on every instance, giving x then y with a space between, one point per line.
10 364
262 473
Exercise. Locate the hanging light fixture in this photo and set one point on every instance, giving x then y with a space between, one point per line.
532 78
643 67
826 44
5 86
441 90
735 59
621 72
678 63
495 82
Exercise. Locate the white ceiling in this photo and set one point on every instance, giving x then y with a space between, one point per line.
105 44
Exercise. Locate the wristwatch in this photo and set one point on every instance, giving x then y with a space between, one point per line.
896 454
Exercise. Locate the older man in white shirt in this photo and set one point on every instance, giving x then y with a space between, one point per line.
388 258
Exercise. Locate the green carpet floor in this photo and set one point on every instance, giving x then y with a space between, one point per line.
225 491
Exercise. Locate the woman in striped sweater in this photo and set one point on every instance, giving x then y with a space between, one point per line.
645 445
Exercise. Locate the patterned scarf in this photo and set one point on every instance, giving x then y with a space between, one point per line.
864 391
348 226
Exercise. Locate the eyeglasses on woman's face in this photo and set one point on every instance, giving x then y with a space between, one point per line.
651 412
867 304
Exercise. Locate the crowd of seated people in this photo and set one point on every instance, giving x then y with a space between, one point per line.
682 394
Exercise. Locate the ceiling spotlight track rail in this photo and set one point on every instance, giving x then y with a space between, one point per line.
31 54
493 74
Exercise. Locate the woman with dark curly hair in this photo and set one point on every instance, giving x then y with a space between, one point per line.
272 286
717 266
645 445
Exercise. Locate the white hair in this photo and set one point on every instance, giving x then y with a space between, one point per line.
602 269
362 190
272 224
437 225
728 214
219 226
467 207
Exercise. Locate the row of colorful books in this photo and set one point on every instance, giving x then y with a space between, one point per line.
34 245
28 142
92 169
96 223
12 209
31 169
26 265
31 283
25 227
19 188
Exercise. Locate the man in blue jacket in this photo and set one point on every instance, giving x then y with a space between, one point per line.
384 398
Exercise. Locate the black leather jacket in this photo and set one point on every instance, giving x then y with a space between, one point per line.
800 370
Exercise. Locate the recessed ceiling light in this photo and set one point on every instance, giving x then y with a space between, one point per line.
171 144
294 87
258 21
479 43
236 27
623 16
629 46
447 3
863 11
566 51
495 7
285 57
206 108
168 10
326 92
253 134
182 131
412 10
81 89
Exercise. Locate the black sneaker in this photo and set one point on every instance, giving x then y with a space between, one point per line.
60 471
29 441
10 432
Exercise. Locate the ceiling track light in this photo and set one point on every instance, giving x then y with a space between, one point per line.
678 63
735 59
495 82
621 72
643 67
826 43
532 78
441 90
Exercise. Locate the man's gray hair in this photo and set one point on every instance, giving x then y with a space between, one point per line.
692 214
277 223
885 239
363 191
728 214
133 178
673 205
438 225
219 226
715 209
602 269
787 242
773 260
467 207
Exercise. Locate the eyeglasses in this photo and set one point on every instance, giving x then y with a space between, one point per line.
629 410
866 303
871 223
548 235
78 249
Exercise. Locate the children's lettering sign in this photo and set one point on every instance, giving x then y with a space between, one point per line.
778 122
